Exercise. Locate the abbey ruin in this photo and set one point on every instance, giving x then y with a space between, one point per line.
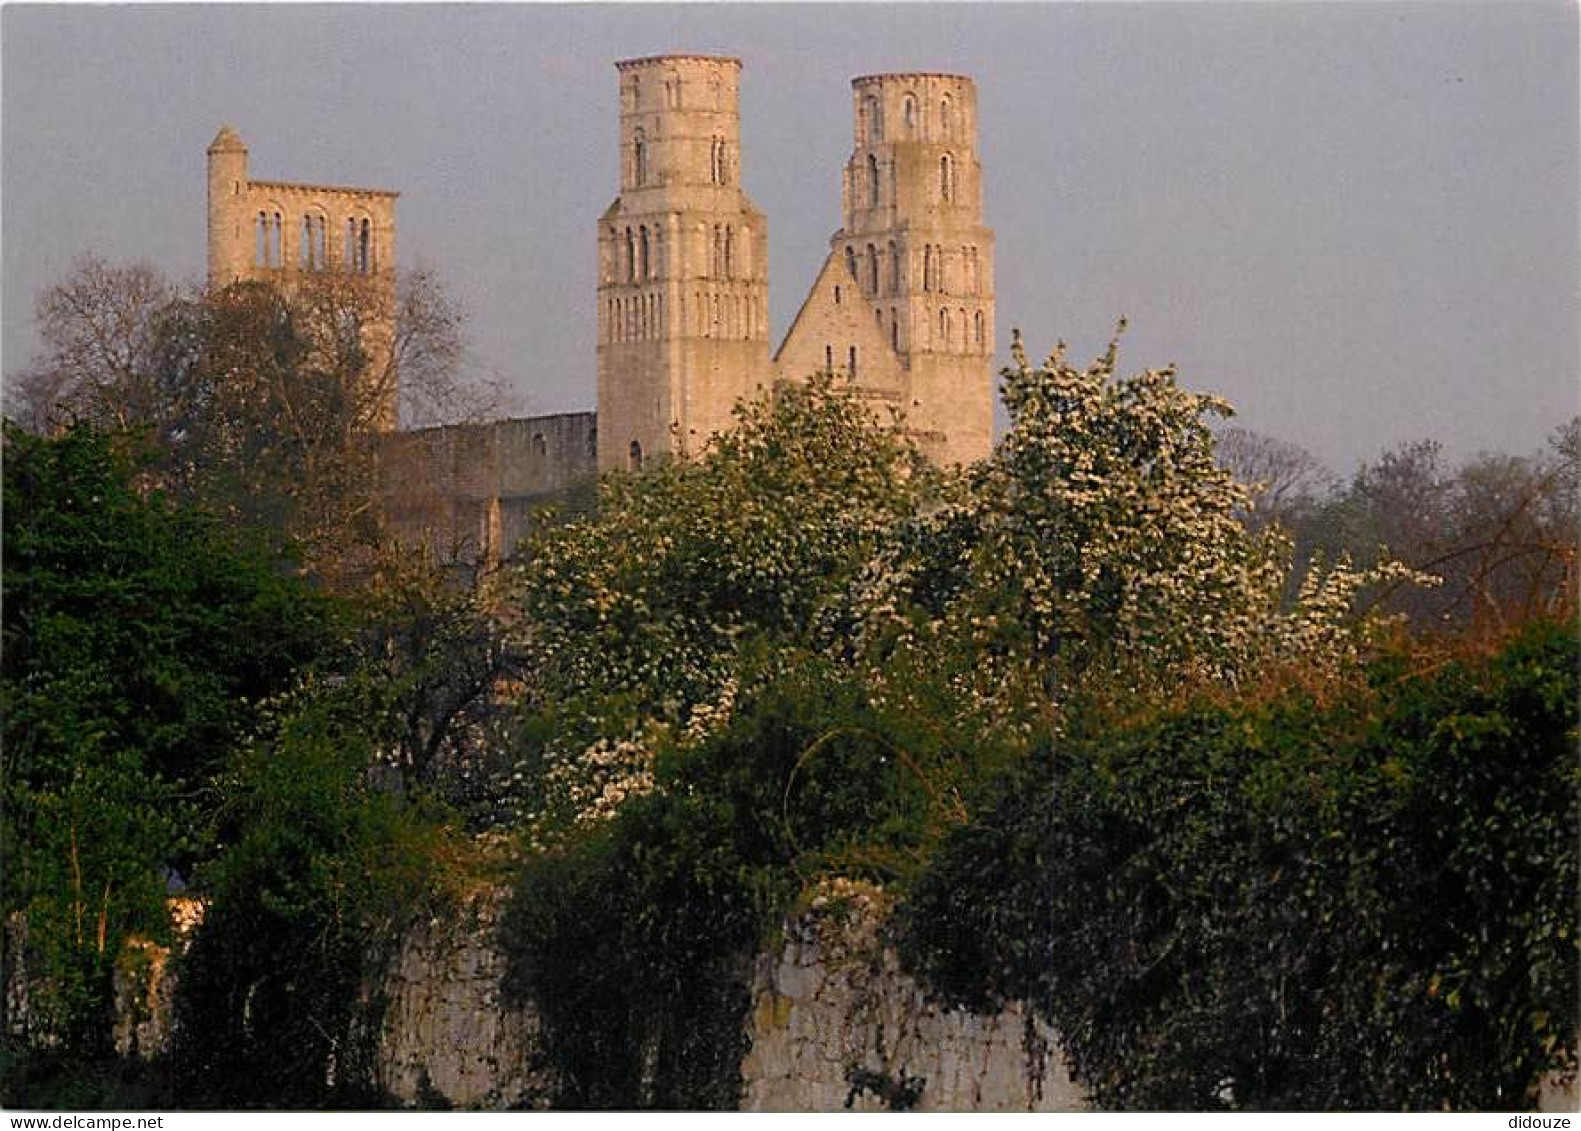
902 309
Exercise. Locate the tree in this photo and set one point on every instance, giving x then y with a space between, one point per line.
1286 479
265 403
138 639
1101 545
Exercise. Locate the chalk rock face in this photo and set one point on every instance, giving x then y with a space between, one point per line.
835 1022
447 1037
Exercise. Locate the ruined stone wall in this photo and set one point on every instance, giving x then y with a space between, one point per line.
472 488
837 1023
831 1008
445 1034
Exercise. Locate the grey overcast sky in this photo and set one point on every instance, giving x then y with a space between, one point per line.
1358 222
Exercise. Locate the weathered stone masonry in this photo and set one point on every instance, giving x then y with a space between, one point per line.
902 309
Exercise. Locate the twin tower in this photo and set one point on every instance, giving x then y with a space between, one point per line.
903 307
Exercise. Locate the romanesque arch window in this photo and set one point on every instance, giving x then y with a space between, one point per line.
730 240
927 267
872 120
837 294
853 363
828 359
304 251
540 446
942 278
672 92
908 113
634 457
631 257
872 269
364 247
261 241
946 179
946 116
639 158
894 330
878 318
850 261
644 271
894 269
944 328
977 326
966 328
872 181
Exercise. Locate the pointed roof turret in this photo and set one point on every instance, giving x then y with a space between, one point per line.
227 140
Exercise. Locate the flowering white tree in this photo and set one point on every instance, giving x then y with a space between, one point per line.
1102 544
1103 540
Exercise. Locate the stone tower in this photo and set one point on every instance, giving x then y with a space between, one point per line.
914 244
682 265
288 233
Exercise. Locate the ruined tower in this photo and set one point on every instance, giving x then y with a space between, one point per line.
682 265
920 329
289 233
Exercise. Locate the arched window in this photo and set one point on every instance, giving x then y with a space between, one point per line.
927 267
894 330
909 114
276 245
894 269
261 241
943 277
639 158
853 363
631 257
540 446
977 326
304 251
872 181
872 269
730 240
643 269
850 261
872 120
364 249
946 179
944 328
634 457
837 294
828 359
946 117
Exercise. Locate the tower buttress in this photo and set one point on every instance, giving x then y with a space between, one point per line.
682 265
230 236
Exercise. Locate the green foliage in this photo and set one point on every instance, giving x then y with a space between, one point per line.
1102 544
137 639
326 865
634 936
639 614
1367 903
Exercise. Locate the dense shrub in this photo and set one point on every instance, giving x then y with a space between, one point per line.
1363 903
633 936
327 866
138 639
